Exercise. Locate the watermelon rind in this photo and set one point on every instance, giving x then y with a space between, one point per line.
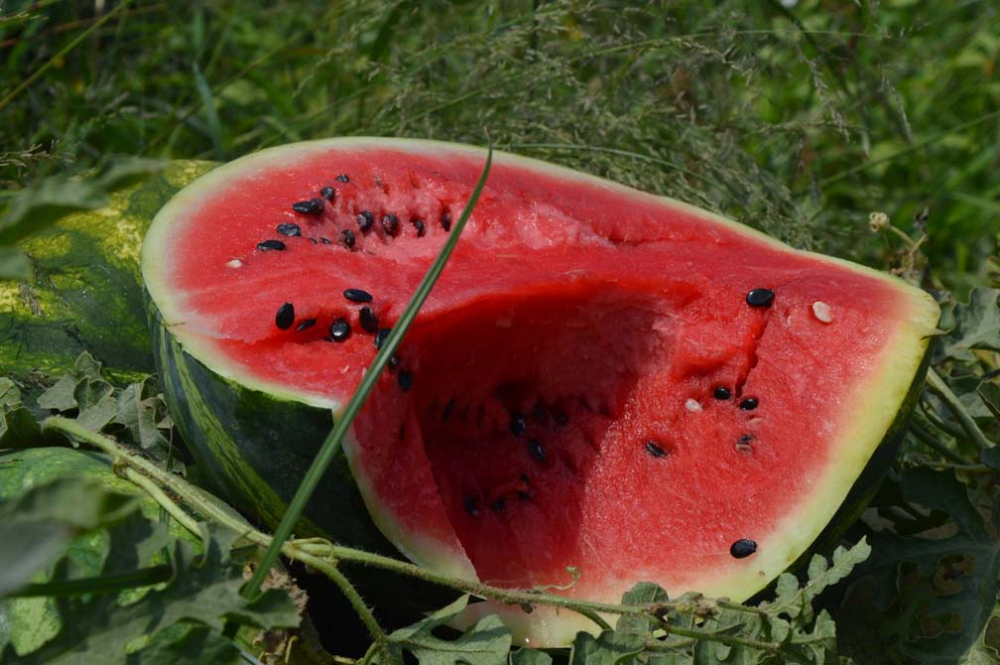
259 467
86 293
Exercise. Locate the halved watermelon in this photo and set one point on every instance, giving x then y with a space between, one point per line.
602 380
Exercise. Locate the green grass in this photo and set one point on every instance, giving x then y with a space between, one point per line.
800 121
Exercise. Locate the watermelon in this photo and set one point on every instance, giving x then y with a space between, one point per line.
605 386
86 294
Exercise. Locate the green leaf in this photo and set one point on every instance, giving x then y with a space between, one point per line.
204 590
19 429
608 648
527 656
38 524
641 594
196 646
44 203
96 403
936 593
14 263
486 643
977 325
61 395
128 172
139 409
10 394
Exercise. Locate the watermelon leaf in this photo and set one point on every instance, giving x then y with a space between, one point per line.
204 592
37 525
608 648
486 643
939 588
977 325
530 657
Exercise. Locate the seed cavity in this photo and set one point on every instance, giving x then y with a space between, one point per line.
654 449
343 178
390 224
269 245
749 404
357 295
394 361
822 312
471 505
340 330
721 393
742 548
289 229
328 193
285 316
518 424
312 207
743 444
365 220
499 506
692 404
235 263
325 241
381 336
347 238
446 221
536 450
419 226
308 323
313 241
540 412
560 416
760 297
405 380
369 320
446 412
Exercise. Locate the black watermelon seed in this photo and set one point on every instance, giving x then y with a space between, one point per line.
309 207
394 361
285 316
381 336
325 241
655 450
405 380
560 416
527 608
308 323
343 178
523 495
447 409
419 226
722 392
745 440
328 193
446 221
749 404
289 229
390 224
743 548
357 295
499 506
517 424
365 220
268 245
340 330
540 412
471 506
536 450
369 320
347 238
760 298
313 241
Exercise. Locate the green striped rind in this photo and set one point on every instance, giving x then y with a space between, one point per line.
253 448
29 622
87 293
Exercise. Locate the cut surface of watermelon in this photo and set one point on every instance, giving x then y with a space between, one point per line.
603 380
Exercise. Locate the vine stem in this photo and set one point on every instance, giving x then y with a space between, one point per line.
941 389
324 556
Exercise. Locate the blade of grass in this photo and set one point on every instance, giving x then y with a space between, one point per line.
211 113
332 443
58 57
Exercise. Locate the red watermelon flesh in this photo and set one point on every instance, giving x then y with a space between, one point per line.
599 382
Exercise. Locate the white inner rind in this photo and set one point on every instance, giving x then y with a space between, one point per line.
865 419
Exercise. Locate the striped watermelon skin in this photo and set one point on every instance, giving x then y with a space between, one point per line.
86 293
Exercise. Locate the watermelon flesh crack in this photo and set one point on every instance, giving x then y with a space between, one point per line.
556 404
